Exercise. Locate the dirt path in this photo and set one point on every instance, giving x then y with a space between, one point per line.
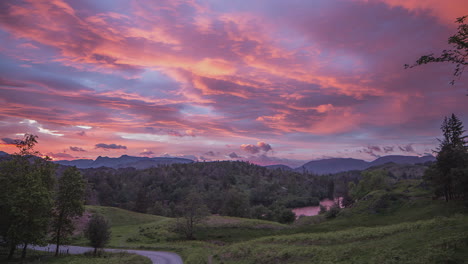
158 257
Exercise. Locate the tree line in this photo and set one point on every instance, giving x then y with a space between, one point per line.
231 188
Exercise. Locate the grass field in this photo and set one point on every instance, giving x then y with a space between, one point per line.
439 240
103 258
398 225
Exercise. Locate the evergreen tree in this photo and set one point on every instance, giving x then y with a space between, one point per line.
450 169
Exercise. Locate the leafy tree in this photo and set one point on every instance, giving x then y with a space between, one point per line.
69 203
236 204
192 211
333 211
370 181
98 232
458 55
449 173
286 216
26 196
260 212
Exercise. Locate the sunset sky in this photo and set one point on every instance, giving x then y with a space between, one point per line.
269 81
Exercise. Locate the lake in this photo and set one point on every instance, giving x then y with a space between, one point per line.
314 210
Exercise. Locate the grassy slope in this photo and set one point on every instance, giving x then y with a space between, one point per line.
426 241
143 231
402 225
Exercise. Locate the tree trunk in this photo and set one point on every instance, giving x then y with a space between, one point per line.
59 229
23 254
12 251
95 251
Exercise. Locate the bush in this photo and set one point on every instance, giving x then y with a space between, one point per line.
333 211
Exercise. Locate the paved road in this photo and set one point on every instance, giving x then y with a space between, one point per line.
158 257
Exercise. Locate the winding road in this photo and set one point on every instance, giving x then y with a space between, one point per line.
158 257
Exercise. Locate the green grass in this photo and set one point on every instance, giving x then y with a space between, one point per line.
121 217
401 224
103 258
427 241
150 232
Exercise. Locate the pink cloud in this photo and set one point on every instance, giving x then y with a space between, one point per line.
227 74
254 149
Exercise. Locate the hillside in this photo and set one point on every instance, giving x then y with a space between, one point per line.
399 225
335 165
123 161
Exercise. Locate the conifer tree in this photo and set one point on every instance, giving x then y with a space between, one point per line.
448 176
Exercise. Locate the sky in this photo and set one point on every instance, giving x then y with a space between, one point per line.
266 81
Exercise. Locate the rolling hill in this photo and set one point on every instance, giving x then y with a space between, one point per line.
335 165
123 161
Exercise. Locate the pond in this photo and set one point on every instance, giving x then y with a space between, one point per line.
314 210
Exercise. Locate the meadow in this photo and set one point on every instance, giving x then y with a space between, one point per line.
397 225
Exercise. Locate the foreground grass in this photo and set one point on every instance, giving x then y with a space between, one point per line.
440 240
150 232
104 258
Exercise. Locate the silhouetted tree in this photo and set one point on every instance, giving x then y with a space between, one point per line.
69 203
26 196
450 168
98 232
458 55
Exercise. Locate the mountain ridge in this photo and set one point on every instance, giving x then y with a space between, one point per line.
123 161
335 165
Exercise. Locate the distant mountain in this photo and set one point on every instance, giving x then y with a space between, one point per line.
2 153
398 159
335 165
279 166
79 163
123 161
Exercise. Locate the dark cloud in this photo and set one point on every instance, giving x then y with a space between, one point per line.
264 146
211 153
254 149
110 146
406 148
250 148
82 133
233 155
78 149
387 149
147 153
374 148
370 150
10 141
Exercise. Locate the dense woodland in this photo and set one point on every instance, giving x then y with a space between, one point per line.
231 188
227 188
